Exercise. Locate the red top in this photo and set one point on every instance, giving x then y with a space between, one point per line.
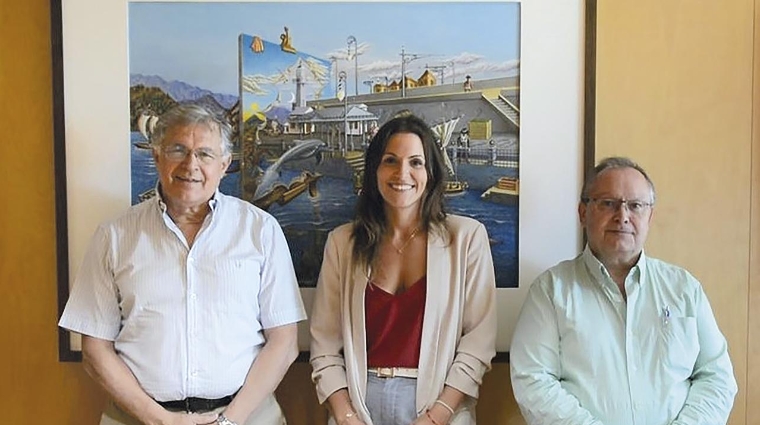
394 325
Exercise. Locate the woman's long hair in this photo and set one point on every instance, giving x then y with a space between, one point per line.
370 222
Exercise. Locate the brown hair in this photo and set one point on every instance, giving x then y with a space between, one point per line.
370 221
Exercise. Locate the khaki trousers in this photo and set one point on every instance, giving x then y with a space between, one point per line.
268 413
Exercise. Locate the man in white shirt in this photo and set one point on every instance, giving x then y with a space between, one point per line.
187 303
614 336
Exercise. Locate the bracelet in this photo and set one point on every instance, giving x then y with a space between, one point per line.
347 418
445 405
429 416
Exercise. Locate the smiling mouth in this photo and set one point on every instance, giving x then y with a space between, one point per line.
401 187
187 179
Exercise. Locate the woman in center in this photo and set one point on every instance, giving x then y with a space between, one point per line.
403 325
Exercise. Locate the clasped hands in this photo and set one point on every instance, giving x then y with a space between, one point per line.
181 418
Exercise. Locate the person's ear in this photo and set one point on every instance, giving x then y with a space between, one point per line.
582 209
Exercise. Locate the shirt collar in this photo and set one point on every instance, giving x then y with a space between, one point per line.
212 203
600 273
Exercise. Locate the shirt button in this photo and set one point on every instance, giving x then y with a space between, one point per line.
193 296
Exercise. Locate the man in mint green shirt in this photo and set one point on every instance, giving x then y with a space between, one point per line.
613 336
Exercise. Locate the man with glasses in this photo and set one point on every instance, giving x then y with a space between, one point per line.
614 336
187 303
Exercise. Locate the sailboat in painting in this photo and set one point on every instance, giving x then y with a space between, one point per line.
146 122
444 131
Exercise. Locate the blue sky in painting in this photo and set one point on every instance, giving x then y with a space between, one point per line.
272 63
197 43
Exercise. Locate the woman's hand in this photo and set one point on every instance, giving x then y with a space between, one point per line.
342 409
353 420
423 420
431 417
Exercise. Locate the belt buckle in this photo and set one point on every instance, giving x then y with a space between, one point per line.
386 372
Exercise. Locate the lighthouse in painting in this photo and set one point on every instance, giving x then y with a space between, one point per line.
300 98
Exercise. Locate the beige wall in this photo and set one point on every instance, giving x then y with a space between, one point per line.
675 91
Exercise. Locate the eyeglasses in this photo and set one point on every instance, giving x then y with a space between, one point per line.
178 153
610 205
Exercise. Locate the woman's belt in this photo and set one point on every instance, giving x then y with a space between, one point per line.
393 372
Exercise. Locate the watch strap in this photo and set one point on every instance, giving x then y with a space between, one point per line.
222 420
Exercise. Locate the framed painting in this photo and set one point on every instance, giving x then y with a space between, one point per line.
305 92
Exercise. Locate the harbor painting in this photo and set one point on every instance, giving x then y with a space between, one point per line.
306 91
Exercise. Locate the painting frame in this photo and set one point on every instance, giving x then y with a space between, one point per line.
73 127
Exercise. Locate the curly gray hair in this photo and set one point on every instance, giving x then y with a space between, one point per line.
185 114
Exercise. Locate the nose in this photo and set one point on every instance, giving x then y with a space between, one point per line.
404 168
190 159
622 213
397 170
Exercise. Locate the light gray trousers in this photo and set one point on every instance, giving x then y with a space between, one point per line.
391 401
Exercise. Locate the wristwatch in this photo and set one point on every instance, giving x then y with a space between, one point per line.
222 420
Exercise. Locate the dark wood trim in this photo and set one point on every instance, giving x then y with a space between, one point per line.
65 354
589 94
589 91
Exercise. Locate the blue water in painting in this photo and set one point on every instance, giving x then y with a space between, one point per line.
307 221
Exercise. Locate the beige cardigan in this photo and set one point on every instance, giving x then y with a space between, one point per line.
459 324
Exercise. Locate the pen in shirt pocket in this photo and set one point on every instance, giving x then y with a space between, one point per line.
666 315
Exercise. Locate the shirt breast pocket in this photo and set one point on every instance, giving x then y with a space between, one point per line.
237 280
679 345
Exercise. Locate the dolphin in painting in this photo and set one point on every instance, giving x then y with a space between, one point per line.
303 149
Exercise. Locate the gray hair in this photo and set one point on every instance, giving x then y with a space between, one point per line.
612 163
185 114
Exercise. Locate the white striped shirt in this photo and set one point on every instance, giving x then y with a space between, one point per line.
188 322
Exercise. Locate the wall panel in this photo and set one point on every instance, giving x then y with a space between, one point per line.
674 92
753 351
33 383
